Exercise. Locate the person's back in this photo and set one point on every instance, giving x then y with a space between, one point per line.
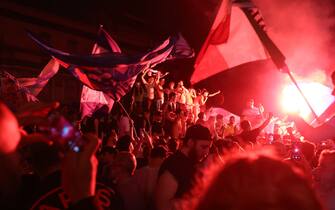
122 171
146 177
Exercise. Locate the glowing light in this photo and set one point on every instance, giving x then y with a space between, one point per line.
317 94
66 131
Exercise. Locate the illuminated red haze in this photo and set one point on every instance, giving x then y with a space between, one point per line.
302 30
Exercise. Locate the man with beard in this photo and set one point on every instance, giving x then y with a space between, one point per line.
177 173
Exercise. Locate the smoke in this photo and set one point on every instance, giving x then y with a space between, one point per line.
304 30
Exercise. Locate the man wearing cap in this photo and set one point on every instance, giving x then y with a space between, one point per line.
177 173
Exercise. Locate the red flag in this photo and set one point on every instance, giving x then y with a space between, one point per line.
231 42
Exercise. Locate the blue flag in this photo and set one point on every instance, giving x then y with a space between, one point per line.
114 73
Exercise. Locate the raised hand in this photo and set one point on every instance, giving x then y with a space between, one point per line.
79 170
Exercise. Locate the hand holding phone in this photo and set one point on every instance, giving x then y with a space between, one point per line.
63 133
296 153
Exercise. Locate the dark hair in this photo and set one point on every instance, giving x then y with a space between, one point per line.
201 115
123 144
157 128
308 150
197 132
108 149
244 124
172 145
224 145
253 182
158 152
101 112
88 126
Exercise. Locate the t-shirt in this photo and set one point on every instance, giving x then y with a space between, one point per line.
229 130
250 136
128 189
182 169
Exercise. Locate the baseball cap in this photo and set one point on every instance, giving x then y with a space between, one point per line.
198 132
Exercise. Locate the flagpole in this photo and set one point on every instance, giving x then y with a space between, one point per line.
287 70
276 55
131 121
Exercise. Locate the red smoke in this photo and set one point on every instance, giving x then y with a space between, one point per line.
303 30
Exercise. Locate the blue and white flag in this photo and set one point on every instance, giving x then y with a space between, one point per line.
113 73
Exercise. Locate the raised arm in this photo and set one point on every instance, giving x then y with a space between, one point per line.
165 74
158 77
203 99
266 122
143 75
193 93
214 94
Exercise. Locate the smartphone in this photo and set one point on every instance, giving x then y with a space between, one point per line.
63 133
296 154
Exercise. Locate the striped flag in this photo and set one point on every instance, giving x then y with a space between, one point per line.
113 73
256 20
35 85
13 93
92 100
232 41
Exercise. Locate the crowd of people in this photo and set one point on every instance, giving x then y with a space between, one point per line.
166 152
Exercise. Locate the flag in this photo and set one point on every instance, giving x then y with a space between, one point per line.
232 41
13 93
105 43
256 20
113 73
318 134
181 49
258 80
92 100
35 85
